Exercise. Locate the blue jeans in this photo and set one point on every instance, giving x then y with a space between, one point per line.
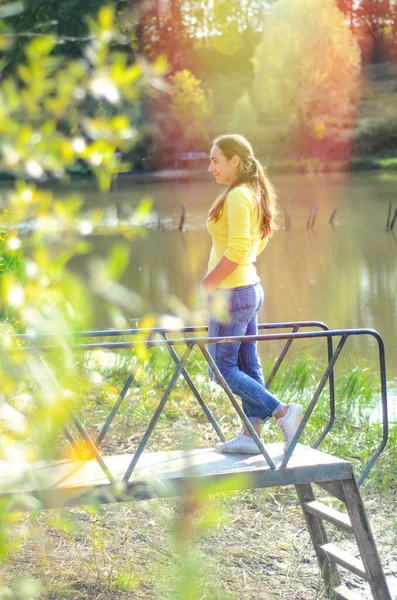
239 362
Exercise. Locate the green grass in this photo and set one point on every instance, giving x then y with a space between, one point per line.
11 261
373 164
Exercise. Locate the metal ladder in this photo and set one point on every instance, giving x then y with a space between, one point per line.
354 521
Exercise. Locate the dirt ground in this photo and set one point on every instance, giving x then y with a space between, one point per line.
245 546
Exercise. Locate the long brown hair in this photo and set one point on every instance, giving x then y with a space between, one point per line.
251 172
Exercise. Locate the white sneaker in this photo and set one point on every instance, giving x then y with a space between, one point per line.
289 423
241 444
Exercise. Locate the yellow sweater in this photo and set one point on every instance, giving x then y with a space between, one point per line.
236 235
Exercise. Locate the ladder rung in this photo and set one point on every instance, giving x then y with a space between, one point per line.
329 514
344 559
343 593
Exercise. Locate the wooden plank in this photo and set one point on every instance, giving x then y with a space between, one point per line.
345 559
318 535
337 518
161 474
343 593
334 488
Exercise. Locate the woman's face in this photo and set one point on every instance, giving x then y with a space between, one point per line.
224 170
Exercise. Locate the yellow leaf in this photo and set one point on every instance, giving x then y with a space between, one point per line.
67 151
130 75
119 122
105 18
161 65
40 47
319 129
142 352
148 322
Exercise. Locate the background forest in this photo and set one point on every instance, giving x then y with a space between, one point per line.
328 95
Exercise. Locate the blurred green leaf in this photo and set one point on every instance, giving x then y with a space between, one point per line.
117 261
40 47
142 211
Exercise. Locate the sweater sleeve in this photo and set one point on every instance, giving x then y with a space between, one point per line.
238 211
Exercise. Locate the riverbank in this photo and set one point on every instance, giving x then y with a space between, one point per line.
290 167
313 165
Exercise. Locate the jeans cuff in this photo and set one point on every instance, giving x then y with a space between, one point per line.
256 420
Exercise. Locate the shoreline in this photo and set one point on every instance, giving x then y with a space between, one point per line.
308 166
280 168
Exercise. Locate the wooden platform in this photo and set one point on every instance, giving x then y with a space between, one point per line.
161 474
165 474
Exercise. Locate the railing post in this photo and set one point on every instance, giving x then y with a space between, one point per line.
157 414
313 402
236 405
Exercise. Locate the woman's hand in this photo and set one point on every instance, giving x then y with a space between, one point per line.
209 285
222 270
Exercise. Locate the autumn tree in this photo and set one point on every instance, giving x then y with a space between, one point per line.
182 122
160 29
374 24
306 71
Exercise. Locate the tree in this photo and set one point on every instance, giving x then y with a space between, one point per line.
67 21
374 24
306 70
160 29
182 121
376 21
206 20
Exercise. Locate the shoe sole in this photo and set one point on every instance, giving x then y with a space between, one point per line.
249 452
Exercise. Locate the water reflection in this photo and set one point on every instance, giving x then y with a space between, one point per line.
343 274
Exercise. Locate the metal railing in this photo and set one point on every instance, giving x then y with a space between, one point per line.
193 337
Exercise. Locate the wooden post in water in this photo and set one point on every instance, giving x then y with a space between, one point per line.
388 218
393 220
312 216
183 215
287 218
309 218
331 221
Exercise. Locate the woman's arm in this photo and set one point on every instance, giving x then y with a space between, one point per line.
238 209
222 270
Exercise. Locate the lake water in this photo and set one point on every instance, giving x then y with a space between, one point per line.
343 274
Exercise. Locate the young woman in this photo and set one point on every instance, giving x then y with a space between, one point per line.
240 222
